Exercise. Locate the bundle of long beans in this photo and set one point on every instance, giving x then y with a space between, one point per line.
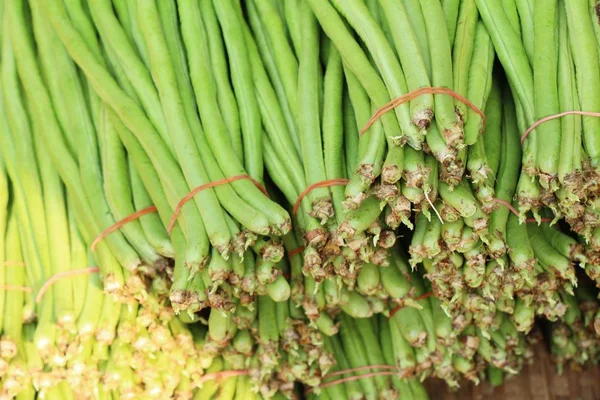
574 340
550 58
222 199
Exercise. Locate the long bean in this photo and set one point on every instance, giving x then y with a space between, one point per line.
179 128
309 115
545 70
225 97
243 85
356 60
282 53
214 127
462 51
585 54
412 60
441 57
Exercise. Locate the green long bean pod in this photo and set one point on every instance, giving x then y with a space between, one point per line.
404 352
274 118
58 239
441 76
417 20
197 247
243 85
508 171
179 127
546 102
409 52
585 54
67 94
357 353
371 146
519 247
357 221
118 188
4 222
568 100
462 50
493 139
383 55
134 68
461 198
333 127
133 118
548 255
411 326
153 227
510 8
248 216
356 61
353 387
480 81
17 144
260 38
387 347
214 127
511 53
311 141
225 96
79 259
109 91
283 54
563 243
366 328
12 310
351 137
527 16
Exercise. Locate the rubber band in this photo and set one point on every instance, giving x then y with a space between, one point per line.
16 288
507 205
416 93
354 378
209 185
556 116
357 369
533 220
223 375
515 212
119 224
327 183
400 306
54 278
296 251
13 263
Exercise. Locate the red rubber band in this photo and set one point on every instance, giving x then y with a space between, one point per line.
355 378
508 205
400 306
296 251
119 224
16 288
514 211
223 375
416 93
327 183
556 116
54 278
209 185
12 263
533 220
357 369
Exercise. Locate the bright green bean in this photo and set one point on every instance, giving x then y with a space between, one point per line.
545 72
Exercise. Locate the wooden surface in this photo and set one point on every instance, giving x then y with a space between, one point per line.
538 381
